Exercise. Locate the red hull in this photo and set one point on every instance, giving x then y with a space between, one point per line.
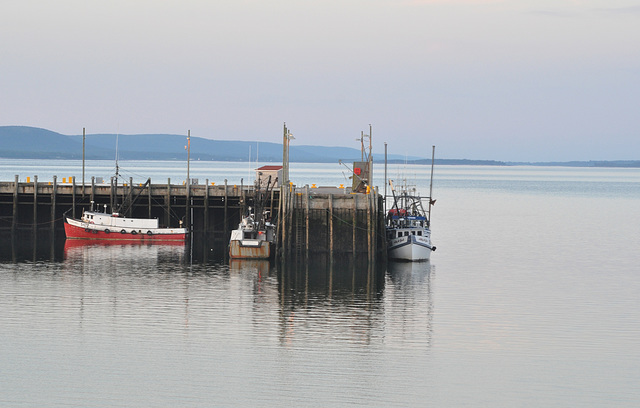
73 232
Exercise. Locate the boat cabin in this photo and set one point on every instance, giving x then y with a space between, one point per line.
114 220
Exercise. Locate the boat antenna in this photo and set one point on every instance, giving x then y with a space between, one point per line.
385 177
116 206
431 200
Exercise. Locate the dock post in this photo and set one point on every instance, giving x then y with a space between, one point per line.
282 219
15 205
226 208
206 207
290 211
167 204
306 211
369 227
187 205
149 197
354 218
331 228
130 209
53 203
73 197
35 203
279 243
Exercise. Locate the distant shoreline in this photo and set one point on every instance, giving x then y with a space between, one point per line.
29 143
590 163
439 162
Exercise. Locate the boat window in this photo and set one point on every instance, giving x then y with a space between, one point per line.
399 234
406 234
413 233
419 233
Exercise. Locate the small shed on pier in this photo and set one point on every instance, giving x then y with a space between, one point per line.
269 176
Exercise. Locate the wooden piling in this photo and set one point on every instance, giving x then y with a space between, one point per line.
331 227
354 218
15 204
226 211
206 207
306 212
35 202
73 197
53 203
187 198
167 203
130 195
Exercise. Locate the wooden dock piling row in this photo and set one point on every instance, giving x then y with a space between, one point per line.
43 205
310 220
330 220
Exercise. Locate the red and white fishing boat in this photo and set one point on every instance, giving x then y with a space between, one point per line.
103 226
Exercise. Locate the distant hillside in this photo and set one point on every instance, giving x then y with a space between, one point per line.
24 142
36 143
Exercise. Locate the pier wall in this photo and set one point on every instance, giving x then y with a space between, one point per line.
332 221
310 220
212 210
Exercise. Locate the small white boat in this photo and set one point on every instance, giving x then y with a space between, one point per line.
251 240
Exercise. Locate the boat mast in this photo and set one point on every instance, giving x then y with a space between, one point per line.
115 194
385 178
431 201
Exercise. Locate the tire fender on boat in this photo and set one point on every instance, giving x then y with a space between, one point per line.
149 232
134 232
107 231
123 231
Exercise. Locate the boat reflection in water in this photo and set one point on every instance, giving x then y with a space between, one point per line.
258 267
406 274
408 298
133 253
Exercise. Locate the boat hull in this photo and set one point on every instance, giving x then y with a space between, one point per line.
249 249
75 229
410 248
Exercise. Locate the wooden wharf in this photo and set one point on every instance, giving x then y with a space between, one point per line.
324 220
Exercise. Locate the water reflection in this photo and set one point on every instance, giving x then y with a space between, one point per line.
124 252
409 300
409 275
326 302
315 302
31 246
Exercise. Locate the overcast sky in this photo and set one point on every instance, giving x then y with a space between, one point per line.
530 80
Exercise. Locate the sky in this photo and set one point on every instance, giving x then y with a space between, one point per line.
512 80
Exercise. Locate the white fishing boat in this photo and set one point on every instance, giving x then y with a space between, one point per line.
408 225
408 233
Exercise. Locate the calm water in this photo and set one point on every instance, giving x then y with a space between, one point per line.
531 300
